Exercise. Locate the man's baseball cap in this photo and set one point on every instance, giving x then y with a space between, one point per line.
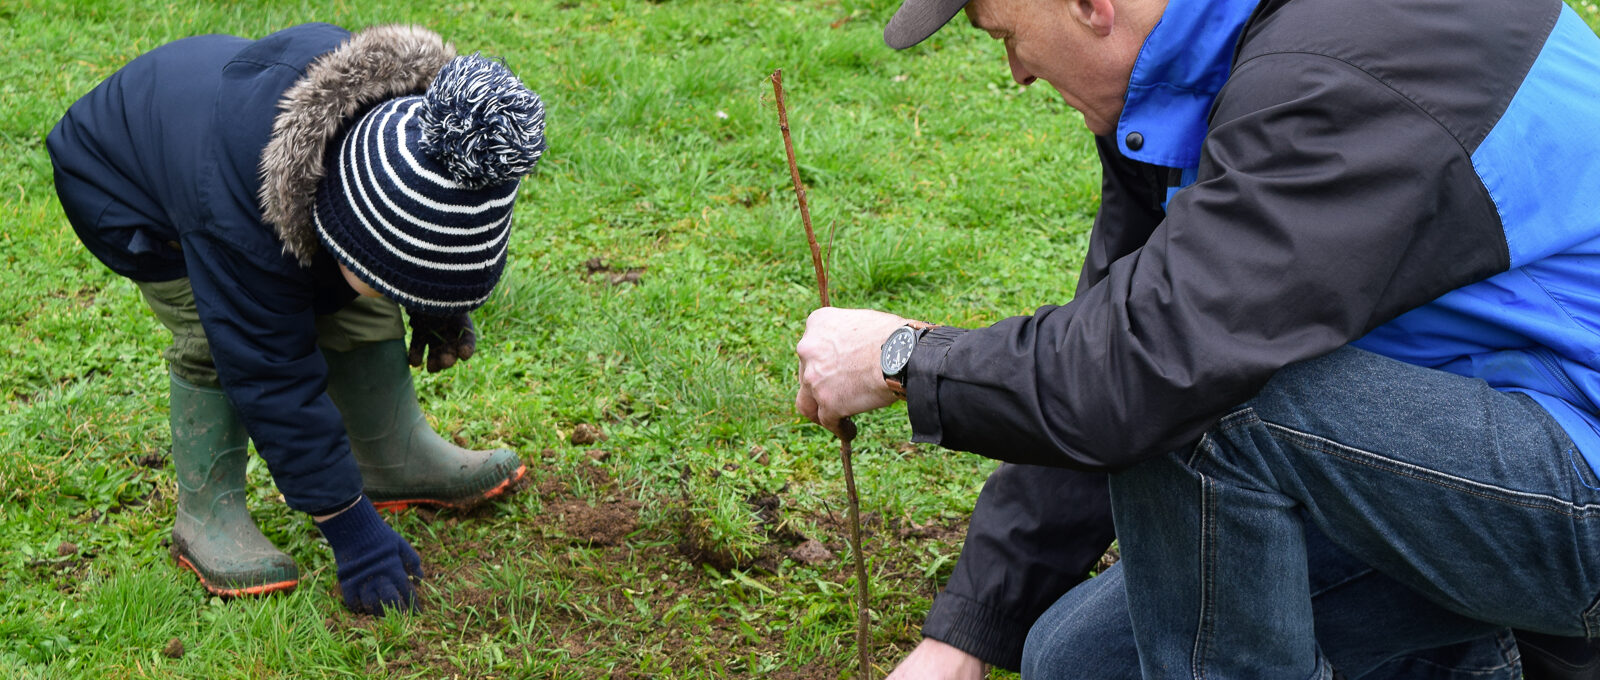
918 19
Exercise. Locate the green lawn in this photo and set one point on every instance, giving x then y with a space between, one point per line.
950 194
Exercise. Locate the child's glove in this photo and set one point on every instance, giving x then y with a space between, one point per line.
376 565
443 338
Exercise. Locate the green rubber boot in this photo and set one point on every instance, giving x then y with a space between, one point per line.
403 461
214 536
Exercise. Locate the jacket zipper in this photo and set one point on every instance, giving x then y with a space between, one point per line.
1573 396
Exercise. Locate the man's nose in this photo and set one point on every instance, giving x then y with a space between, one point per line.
1018 72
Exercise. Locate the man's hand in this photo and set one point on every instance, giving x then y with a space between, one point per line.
376 565
935 660
839 373
444 339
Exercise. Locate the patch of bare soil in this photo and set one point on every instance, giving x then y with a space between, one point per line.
590 515
605 524
946 529
597 269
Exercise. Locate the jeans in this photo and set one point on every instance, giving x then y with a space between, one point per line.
1087 633
1473 498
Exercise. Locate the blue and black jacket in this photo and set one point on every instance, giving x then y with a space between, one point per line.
1287 177
160 170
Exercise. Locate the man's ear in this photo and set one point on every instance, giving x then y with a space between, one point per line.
1097 15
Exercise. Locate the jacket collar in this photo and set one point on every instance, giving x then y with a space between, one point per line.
1179 71
374 65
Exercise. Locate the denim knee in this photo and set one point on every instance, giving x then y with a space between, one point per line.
1085 634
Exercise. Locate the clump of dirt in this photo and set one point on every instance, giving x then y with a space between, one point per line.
585 434
810 552
174 649
615 276
605 524
759 455
67 549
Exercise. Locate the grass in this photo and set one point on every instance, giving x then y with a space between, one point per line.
949 194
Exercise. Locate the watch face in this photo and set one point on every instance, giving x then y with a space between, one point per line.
897 350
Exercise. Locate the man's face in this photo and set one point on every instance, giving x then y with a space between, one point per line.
1088 58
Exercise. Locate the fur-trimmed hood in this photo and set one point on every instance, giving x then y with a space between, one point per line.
374 65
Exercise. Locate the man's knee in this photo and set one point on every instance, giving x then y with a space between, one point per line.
1086 634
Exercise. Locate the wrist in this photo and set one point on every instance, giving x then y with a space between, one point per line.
335 513
922 374
355 529
894 361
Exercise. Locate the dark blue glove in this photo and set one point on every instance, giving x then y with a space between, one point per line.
376 565
442 340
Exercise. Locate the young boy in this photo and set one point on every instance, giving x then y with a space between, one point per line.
277 201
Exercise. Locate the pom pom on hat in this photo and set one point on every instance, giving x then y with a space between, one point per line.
418 194
481 123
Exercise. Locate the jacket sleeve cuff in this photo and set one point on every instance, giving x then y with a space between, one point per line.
977 629
922 383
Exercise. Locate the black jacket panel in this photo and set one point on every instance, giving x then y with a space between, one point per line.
1035 534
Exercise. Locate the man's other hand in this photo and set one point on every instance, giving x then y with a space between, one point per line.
839 373
935 660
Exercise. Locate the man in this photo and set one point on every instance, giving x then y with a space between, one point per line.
274 200
1342 270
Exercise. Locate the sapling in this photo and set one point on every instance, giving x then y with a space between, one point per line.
847 428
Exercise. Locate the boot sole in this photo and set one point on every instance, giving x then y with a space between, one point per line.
266 588
396 505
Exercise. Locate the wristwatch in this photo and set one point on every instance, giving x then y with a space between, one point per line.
895 355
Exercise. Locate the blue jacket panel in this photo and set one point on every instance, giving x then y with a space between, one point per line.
1532 329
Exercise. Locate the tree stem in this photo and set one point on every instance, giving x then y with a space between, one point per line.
847 427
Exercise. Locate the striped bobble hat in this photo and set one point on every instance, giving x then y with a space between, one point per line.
416 200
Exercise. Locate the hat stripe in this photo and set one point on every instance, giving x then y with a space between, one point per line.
365 206
405 154
388 289
378 187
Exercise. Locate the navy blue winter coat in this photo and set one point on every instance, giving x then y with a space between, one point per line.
160 171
